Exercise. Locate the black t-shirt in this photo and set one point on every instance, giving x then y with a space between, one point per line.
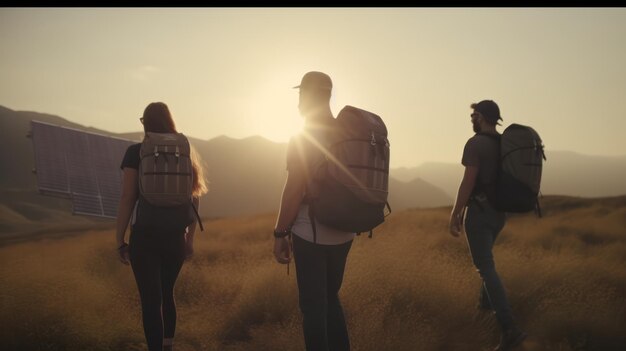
302 150
483 152
131 157
304 153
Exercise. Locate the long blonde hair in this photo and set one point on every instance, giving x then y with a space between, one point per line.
158 119
200 183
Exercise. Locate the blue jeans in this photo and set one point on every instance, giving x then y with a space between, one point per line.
319 272
482 225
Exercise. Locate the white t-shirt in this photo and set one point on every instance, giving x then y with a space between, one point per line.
325 235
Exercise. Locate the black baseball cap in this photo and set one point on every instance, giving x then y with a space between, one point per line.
315 80
489 109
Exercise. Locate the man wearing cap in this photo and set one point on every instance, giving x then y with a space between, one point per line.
321 258
483 222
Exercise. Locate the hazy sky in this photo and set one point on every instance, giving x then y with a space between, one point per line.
230 71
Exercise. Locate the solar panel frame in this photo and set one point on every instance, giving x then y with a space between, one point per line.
83 166
51 180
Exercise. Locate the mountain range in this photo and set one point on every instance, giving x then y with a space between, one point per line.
247 175
564 173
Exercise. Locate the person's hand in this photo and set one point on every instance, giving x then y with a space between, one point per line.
282 251
456 222
122 253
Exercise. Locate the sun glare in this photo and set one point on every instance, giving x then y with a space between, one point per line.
275 105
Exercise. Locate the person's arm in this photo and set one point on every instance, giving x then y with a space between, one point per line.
293 193
463 195
125 209
191 230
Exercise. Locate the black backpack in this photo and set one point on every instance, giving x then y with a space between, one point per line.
519 173
348 190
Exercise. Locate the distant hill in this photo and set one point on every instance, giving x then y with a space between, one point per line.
564 173
246 175
416 193
570 173
446 176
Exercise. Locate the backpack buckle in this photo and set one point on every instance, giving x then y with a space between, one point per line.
373 140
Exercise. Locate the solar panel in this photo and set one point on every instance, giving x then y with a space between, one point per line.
80 165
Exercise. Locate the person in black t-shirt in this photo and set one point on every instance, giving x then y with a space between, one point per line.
483 222
156 256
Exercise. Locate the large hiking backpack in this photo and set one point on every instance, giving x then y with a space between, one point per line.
166 181
349 189
521 161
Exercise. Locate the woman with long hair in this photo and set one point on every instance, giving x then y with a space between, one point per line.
155 252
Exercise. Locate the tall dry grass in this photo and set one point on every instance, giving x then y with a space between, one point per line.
411 287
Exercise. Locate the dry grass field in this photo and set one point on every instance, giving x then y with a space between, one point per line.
411 287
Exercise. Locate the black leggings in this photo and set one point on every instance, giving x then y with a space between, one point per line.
156 259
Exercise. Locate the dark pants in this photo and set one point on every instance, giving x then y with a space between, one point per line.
156 259
319 270
482 225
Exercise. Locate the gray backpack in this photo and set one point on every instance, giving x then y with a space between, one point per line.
349 189
165 171
166 180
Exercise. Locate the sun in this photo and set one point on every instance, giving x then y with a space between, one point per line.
280 124
276 105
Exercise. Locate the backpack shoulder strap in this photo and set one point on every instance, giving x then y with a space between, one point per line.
195 211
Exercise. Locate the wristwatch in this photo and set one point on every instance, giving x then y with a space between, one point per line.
282 233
